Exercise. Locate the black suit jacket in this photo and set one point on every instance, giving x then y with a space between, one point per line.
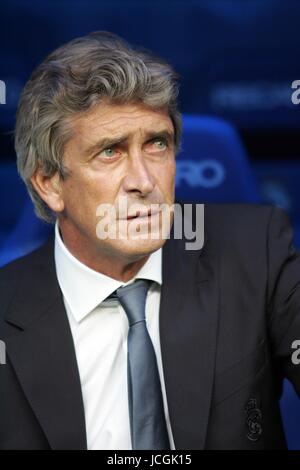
229 314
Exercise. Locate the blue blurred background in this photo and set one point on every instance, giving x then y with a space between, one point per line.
237 60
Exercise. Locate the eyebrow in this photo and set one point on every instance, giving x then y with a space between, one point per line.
111 141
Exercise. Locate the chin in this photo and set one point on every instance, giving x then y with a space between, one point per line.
139 247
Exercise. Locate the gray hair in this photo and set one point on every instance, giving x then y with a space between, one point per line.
74 78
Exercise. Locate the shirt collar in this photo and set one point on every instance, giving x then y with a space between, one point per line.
83 288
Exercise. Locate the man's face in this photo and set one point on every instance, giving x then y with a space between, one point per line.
118 153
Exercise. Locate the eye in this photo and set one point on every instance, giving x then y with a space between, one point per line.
160 143
109 152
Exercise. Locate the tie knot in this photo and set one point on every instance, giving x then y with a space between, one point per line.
133 299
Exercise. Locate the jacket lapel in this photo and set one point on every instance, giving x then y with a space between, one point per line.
188 330
40 346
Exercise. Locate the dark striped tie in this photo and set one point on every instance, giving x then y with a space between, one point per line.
146 411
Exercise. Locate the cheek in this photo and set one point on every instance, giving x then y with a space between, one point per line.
168 176
83 194
76 194
166 182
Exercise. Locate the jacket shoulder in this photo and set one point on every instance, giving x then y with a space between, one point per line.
240 225
238 215
242 212
16 266
13 273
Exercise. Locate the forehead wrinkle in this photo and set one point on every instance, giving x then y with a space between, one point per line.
122 115
106 132
88 123
121 138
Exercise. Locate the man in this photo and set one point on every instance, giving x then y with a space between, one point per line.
98 125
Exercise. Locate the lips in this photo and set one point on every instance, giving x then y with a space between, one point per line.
140 214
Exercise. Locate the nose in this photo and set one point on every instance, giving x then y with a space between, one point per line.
138 178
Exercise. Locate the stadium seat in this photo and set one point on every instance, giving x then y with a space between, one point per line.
12 196
290 410
29 233
213 166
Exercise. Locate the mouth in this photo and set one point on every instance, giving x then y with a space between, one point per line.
142 214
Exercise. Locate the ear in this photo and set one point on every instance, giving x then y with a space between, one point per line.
49 189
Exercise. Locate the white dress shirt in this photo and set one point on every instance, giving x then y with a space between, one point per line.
99 331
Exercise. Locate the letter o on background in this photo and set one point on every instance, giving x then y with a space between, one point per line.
217 171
